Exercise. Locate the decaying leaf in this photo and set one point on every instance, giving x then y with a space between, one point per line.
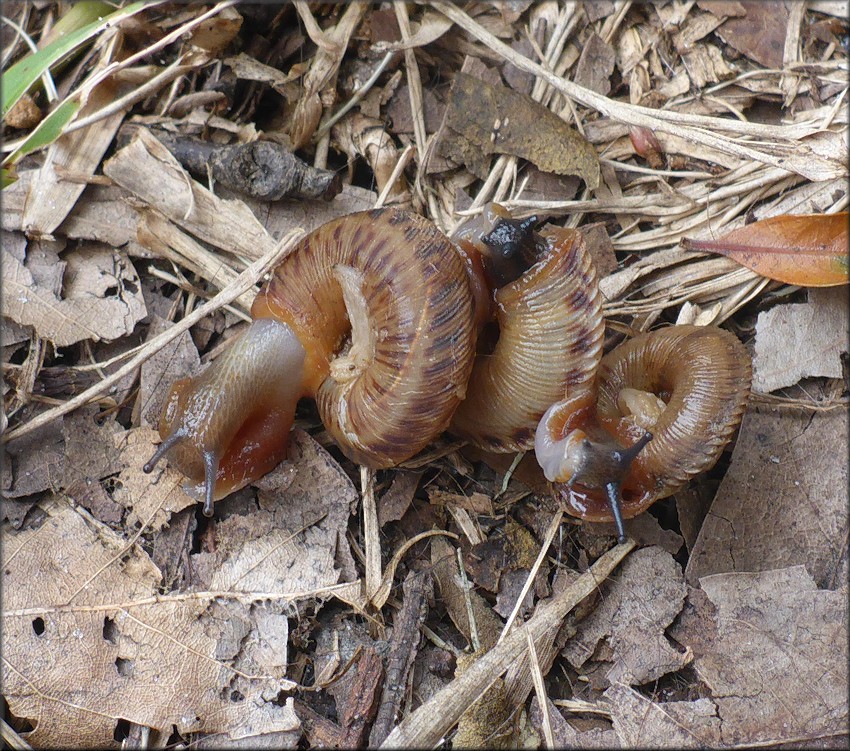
783 501
640 722
51 195
103 297
648 595
801 340
216 33
808 250
318 497
87 642
756 29
757 638
262 169
483 119
34 462
395 502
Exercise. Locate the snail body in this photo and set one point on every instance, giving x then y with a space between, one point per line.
550 331
399 333
392 281
667 402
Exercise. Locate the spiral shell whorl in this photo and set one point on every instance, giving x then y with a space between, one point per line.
704 376
419 314
549 348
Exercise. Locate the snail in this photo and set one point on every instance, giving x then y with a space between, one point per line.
665 405
376 316
400 333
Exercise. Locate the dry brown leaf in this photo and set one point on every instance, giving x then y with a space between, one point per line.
34 462
567 736
772 649
100 213
177 359
332 44
90 453
483 119
102 300
395 502
51 195
801 340
783 501
477 503
807 250
130 656
216 33
148 170
249 69
316 494
595 66
358 135
759 33
646 596
640 722
151 498
487 625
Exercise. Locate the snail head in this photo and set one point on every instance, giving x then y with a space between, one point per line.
589 458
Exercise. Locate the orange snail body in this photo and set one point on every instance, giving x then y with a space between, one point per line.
399 287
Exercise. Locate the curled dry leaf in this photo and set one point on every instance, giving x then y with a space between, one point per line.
261 169
486 119
809 250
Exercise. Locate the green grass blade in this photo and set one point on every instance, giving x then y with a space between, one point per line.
47 131
8 177
23 74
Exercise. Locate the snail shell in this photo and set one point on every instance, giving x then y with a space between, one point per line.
411 316
688 386
395 284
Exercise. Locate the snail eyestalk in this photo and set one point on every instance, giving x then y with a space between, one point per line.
163 449
210 473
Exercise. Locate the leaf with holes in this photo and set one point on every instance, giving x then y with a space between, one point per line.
88 644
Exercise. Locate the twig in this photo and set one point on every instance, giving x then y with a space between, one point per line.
470 613
540 691
547 541
403 648
429 723
371 536
698 128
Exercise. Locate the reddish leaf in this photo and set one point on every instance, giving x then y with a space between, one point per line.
809 250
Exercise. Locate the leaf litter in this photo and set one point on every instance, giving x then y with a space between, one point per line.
123 607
